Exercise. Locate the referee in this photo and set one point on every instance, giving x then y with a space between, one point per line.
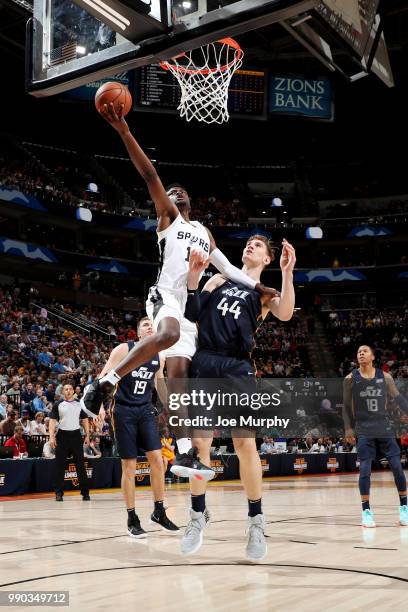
68 440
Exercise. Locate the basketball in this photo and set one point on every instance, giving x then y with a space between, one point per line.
117 94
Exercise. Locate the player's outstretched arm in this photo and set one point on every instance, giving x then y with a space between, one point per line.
197 263
225 267
394 393
348 417
282 306
165 208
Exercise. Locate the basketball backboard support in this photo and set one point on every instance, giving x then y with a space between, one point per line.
68 46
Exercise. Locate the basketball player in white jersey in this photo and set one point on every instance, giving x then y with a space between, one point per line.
177 236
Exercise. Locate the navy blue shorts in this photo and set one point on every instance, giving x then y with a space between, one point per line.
135 430
224 375
206 364
376 448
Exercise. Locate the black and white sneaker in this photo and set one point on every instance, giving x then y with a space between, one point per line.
165 523
135 530
95 395
189 466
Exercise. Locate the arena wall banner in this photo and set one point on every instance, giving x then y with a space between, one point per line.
328 275
18 197
299 96
15 477
24 249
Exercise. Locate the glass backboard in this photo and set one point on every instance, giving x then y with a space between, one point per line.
72 43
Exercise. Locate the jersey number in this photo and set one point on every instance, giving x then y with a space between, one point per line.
188 254
372 405
233 309
140 387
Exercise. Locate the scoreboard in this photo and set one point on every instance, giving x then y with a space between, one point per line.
157 90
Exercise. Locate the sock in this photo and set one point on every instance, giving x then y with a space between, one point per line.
158 507
131 515
403 500
198 502
183 445
110 377
254 506
366 505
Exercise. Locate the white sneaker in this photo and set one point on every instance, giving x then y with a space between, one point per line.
256 548
193 535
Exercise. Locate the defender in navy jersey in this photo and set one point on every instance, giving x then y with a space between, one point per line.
136 431
366 392
228 314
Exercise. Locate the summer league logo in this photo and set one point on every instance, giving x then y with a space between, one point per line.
332 464
71 473
142 470
218 466
300 465
2 480
265 465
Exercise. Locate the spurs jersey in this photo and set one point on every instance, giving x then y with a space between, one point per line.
175 245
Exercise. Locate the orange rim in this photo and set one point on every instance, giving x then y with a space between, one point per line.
224 41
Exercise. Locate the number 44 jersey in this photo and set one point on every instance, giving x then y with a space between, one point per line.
135 389
229 319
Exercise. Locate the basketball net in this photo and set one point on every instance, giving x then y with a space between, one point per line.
204 76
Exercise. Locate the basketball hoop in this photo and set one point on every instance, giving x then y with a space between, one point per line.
204 75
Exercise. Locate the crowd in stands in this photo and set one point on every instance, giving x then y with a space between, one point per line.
281 349
27 179
384 330
38 355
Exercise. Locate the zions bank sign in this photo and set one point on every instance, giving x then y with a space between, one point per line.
296 95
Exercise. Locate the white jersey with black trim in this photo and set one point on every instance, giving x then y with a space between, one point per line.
175 245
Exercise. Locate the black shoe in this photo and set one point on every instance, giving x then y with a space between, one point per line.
165 523
59 497
189 466
135 530
85 497
96 395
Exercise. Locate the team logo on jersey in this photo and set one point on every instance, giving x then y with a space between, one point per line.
300 465
142 470
265 465
2 480
194 241
332 464
235 292
371 392
71 473
218 466
143 372
155 363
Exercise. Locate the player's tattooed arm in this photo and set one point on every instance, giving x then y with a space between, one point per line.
394 393
348 417
166 210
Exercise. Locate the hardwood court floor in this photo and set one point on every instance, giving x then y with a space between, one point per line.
319 556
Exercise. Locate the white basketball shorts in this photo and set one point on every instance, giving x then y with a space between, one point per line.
161 304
